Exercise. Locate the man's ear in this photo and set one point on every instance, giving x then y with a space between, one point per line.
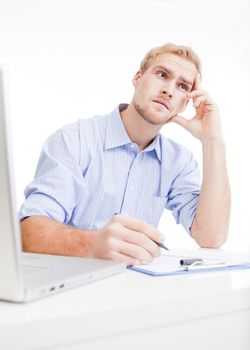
137 77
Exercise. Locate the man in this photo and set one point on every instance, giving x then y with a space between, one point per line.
92 170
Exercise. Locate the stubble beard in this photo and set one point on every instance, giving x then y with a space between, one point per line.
144 115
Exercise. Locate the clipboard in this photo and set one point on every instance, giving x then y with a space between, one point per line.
169 265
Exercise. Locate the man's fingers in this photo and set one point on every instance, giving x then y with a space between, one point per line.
199 100
140 239
135 251
128 239
196 93
129 260
199 97
202 99
139 226
197 82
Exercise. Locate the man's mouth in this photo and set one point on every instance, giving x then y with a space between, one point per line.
163 103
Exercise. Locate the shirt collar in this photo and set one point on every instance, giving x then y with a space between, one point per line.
116 134
156 146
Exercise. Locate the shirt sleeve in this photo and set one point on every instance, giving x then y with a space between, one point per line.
59 183
184 193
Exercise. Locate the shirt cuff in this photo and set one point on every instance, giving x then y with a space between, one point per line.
42 205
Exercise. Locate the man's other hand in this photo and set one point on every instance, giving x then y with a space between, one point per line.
126 239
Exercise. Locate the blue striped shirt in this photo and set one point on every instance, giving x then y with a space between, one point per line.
90 170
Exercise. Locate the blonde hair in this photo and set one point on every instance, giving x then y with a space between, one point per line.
183 51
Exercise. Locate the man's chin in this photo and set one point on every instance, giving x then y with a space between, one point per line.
160 119
153 116
157 121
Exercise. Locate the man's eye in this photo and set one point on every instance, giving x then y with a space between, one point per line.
162 74
184 87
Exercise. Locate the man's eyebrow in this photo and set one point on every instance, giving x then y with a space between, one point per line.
186 81
190 83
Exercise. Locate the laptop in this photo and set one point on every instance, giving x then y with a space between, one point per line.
27 276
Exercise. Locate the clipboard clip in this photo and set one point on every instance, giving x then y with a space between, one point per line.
191 264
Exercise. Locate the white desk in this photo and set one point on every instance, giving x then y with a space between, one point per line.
135 311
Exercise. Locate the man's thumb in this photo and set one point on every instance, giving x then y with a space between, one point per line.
178 119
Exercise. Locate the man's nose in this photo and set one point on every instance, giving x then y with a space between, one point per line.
168 90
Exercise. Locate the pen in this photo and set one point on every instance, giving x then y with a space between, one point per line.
161 245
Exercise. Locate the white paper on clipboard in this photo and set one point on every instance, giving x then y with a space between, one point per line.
212 260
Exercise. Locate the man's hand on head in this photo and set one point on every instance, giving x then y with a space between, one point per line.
205 125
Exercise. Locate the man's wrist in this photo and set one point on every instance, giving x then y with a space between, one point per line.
217 141
87 239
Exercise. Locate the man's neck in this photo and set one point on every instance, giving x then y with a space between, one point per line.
139 131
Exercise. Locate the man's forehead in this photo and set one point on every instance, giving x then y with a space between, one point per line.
175 63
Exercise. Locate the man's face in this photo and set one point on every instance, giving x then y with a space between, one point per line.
161 91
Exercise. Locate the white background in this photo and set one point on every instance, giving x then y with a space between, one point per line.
70 59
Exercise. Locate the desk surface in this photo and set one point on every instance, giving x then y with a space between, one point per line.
127 302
